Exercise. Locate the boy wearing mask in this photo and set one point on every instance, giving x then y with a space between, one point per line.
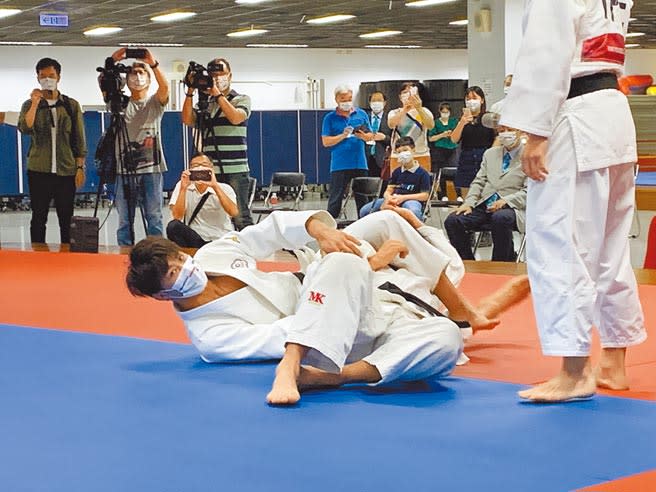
409 186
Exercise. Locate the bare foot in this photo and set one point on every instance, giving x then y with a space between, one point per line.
511 293
611 372
481 323
311 377
575 381
284 390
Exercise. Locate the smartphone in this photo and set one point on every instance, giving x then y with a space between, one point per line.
414 91
200 175
138 53
466 112
361 128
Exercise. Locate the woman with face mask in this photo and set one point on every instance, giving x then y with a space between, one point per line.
443 150
473 137
412 120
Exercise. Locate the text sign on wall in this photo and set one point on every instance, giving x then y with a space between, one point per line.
53 20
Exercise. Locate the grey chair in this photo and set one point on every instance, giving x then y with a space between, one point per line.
294 182
367 187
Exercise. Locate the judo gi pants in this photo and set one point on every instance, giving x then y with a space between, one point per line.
340 319
578 253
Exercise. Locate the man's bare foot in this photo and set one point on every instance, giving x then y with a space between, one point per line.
575 381
481 322
511 293
284 390
311 377
611 372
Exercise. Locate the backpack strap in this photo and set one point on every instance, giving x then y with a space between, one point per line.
202 201
66 102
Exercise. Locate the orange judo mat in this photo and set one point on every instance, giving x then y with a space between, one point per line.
87 293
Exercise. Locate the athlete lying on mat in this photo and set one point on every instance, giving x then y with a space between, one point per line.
337 319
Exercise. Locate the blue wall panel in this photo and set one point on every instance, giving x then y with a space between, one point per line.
309 151
8 161
279 142
93 131
324 153
173 148
254 142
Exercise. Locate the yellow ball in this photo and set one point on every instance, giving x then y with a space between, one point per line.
651 91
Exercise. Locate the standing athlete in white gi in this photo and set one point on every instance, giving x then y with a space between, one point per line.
581 193
350 329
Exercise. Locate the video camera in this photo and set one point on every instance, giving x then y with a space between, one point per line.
112 81
198 77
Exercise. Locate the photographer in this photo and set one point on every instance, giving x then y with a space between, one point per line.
142 183
224 129
55 161
201 207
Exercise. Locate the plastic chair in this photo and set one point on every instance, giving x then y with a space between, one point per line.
293 181
368 187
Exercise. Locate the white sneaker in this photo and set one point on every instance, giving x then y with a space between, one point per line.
445 198
459 199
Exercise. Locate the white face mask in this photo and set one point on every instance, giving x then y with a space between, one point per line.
474 105
222 82
137 81
48 84
405 157
506 90
404 97
191 281
445 115
377 106
345 106
508 138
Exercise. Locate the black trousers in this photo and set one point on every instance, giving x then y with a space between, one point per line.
43 188
502 223
339 180
183 235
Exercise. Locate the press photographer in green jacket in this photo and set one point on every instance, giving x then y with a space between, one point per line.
55 161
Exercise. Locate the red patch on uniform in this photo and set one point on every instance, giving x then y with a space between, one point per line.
608 48
316 297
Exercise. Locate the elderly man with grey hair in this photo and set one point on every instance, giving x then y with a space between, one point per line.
345 131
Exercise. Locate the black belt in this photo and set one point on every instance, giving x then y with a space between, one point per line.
395 289
300 276
592 83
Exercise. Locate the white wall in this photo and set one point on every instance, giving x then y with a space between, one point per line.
641 62
268 75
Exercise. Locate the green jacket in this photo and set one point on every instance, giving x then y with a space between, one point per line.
39 157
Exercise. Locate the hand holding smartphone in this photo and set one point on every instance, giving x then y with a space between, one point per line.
200 175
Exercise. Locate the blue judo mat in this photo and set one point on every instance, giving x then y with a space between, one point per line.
97 413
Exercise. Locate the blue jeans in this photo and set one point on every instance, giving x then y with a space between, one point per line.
144 189
239 183
414 206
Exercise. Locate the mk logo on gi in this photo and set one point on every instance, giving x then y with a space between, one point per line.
316 297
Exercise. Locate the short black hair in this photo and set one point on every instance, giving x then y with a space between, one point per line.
48 62
149 263
445 105
377 92
403 141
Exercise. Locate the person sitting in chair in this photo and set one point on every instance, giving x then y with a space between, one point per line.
202 208
496 200
409 186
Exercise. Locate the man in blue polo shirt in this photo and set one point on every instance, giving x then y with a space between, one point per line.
409 186
345 131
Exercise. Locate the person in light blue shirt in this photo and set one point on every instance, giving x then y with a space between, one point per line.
345 131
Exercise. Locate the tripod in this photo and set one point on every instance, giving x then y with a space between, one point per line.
119 161
204 129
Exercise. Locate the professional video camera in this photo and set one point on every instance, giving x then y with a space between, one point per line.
112 81
197 77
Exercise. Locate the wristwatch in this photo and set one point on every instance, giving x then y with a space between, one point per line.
153 67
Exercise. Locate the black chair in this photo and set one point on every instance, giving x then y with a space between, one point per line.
292 182
367 187
486 228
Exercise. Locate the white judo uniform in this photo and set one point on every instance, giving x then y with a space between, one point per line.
579 217
337 310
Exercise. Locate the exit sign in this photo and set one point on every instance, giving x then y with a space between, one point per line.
53 20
